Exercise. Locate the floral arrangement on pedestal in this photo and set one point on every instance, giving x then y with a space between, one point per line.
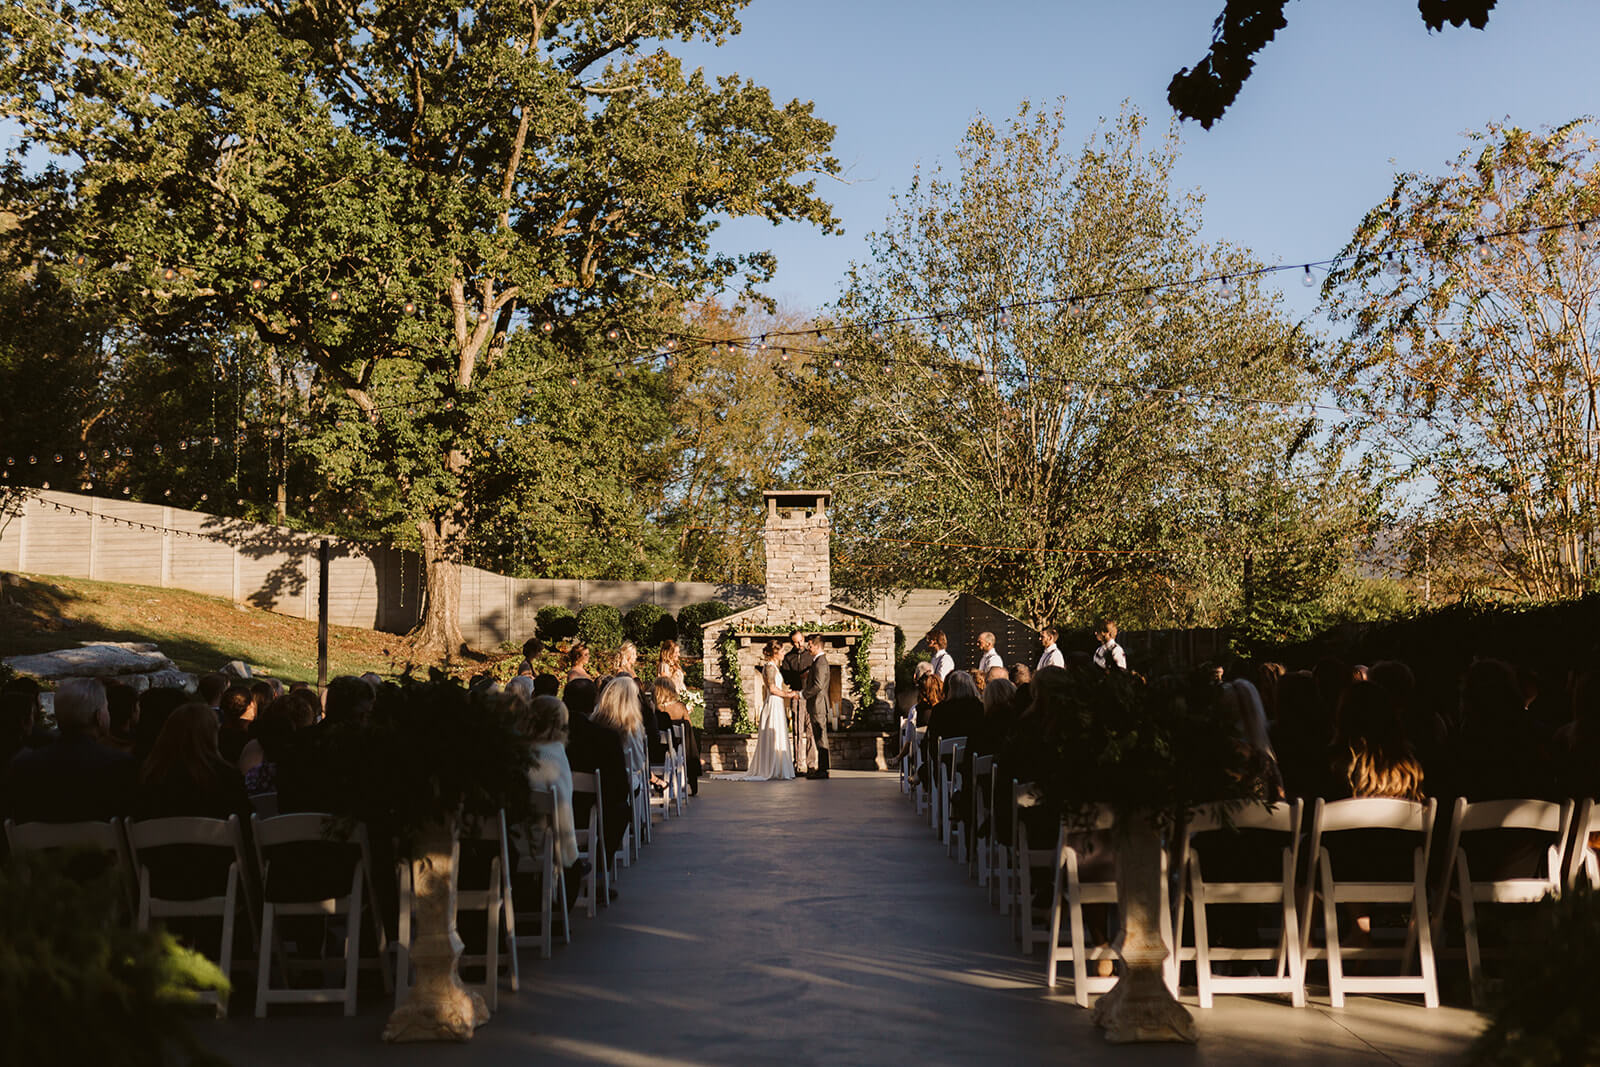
1152 753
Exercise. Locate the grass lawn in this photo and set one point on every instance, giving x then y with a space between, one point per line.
199 633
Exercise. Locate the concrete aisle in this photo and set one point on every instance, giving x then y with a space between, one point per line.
819 922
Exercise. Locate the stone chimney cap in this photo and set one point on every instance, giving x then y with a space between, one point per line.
797 498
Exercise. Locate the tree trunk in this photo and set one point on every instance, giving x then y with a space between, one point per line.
439 632
439 1007
1140 1007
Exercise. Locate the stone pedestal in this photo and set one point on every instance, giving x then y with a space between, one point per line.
1140 1007
439 1007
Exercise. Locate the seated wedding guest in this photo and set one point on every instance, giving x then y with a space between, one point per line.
1423 726
669 704
238 710
1020 674
532 649
273 734
1494 755
1252 734
75 778
1266 676
620 709
264 693
210 688
546 685
959 714
930 690
669 664
373 679
577 661
592 748
155 704
185 773
1370 755
122 703
999 697
543 722
349 700
16 722
1301 735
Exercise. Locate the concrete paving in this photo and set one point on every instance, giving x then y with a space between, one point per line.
820 923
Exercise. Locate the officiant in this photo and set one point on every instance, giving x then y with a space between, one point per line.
796 663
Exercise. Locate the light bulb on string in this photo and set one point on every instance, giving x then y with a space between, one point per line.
1391 265
877 335
169 273
1005 318
672 343
1307 279
1485 253
33 460
335 297
257 284
1225 287
83 455
613 333
1149 299
837 363
547 327
783 354
483 316
58 457
80 260
44 485
409 307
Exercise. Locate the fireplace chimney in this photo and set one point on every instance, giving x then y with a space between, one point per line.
799 578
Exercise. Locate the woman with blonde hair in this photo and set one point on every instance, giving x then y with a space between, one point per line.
669 664
542 721
670 701
619 709
1371 756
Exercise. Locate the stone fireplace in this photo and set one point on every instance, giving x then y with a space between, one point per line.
799 593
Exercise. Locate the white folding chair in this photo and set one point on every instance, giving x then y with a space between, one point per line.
1484 820
486 887
957 832
309 869
1277 831
921 791
981 817
643 819
680 763
666 770
1071 894
105 837
1031 923
535 857
947 773
590 845
1372 819
220 898
1582 860
999 858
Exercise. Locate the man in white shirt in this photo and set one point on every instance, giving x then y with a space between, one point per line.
1109 654
990 657
943 664
1051 657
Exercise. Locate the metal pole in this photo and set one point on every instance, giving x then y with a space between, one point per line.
322 617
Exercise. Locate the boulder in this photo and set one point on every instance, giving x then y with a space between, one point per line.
98 660
239 669
173 678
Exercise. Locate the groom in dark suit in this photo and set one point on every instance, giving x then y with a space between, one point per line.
818 694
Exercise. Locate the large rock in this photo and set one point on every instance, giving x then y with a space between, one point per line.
237 669
100 660
174 679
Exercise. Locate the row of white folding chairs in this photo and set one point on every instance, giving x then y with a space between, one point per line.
133 844
1568 825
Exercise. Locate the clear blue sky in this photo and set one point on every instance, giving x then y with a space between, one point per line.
1349 93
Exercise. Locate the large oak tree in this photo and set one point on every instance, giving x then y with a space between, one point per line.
389 192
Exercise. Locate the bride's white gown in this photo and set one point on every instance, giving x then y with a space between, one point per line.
774 758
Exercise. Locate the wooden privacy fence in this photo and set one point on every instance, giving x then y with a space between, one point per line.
373 586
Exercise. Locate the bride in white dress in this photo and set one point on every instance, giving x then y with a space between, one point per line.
774 758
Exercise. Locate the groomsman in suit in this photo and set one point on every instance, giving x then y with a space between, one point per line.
1109 655
1051 656
990 658
818 694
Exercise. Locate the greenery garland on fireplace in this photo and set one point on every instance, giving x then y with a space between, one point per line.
860 663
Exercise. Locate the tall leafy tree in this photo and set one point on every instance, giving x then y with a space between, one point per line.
1058 400
389 191
1477 358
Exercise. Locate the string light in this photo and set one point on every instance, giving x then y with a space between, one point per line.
1306 279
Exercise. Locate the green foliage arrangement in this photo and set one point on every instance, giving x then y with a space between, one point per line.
692 618
78 986
1154 751
1543 1015
729 648
427 750
642 625
600 626
555 622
